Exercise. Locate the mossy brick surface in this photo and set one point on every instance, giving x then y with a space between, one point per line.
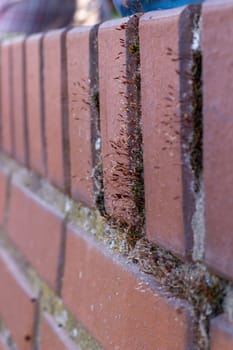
120 119
111 300
82 122
167 97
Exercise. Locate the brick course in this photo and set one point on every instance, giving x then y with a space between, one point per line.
168 177
40 239
15 300
218 138
80 117
6 112
221 333
35 103
119 116
19 98
113 300
55 92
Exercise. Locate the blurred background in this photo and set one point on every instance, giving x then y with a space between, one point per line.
93 11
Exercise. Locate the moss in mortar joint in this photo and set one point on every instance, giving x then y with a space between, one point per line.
196 144
189 281
126 174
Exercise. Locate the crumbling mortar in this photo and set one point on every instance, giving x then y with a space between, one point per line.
196 144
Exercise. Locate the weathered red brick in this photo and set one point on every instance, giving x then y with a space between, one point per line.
6 99
119 115
3 196
218 134
53 337
35 103
16 306
166 53
36 229
82 122
55 92
119 308
221 334
19 100
2 346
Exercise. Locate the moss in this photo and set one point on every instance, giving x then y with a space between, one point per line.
134 47
190 281
196 145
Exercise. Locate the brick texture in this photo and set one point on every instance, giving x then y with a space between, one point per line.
6 111
35 103
16 299
19 98
3 196
221 334
119 115
112 301
53 337
2 347
38 239
55 89
168 177
82 131
218 134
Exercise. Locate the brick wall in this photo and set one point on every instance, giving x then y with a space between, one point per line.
116 184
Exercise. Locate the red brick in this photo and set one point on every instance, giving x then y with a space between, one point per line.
18 93
35 103
3 196
221 334
6 95
53 337
2 345
37 231
120 309
168 177
119 115
218 134
81 122
56 107
16 306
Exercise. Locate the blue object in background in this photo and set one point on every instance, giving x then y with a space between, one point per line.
128 7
